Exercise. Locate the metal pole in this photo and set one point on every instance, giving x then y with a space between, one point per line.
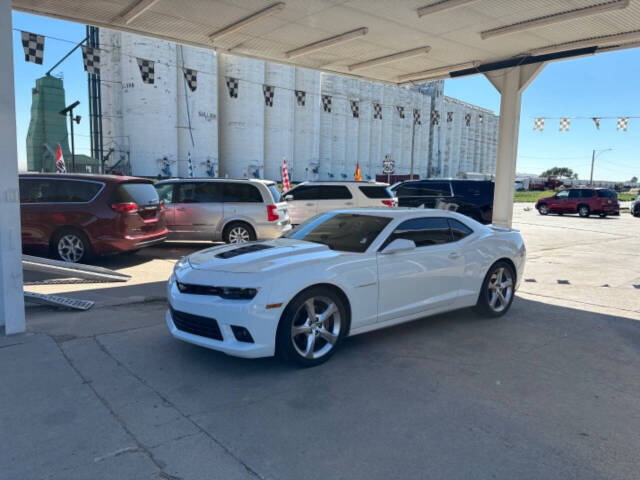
593 157
73 149
413 136
65 57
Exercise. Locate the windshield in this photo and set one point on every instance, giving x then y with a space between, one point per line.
345 232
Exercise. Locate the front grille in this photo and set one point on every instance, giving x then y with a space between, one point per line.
197 325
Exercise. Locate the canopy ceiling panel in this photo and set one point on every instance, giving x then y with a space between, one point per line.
333 35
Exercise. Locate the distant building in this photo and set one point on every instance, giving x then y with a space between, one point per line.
323 124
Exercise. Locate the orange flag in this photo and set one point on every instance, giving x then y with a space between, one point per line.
358 176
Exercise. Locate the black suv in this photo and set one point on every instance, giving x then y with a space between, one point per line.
473 198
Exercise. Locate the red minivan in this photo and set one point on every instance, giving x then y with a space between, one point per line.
583 201
74 216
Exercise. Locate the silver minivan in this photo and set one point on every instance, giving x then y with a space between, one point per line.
216 209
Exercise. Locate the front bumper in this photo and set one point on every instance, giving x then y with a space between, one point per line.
261 323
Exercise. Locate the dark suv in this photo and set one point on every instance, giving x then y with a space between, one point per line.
473 198
74 216
583 201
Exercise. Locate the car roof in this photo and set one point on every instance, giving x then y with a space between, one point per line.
343 182
209 179
86 176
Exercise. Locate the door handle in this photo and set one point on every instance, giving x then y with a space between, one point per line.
349 203
454 255
308 204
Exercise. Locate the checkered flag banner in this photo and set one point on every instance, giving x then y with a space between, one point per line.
190 165
301 97
449 117
596 122
91 59
191 76
565 123
400 111
416 117
147 70
377 111
622 123
481 118
355 109
269 91
467 119
326 103
232 86
435 117
538 124
33 45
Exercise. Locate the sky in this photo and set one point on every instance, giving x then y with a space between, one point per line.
604 85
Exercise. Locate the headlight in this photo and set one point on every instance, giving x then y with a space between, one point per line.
228 293
183 262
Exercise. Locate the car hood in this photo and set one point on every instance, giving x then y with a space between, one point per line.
260 256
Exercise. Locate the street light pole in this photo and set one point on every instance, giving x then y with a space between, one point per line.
72 119
413 136
593 159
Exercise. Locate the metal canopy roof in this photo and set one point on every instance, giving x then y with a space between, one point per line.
395 41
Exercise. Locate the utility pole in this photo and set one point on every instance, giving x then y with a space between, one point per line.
413 137
593 159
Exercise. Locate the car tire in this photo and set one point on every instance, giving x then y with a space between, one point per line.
71 245
583 211
543 209
309 342
238 232
498 290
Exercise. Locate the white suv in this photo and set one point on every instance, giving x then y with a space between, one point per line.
311 198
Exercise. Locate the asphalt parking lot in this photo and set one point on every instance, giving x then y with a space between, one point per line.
551 390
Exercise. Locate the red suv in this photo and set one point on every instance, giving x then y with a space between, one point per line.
583 201
76 216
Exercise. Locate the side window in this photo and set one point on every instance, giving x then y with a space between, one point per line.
335 192
305 192
574 193
562 194
185 193
241 193
165 192
423 231
458 230
58 191
425 189
587 193
208 192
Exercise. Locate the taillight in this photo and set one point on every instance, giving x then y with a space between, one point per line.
390 203
124 207
272 216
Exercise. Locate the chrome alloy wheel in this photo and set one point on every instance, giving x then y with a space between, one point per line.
543 209
500 289
316 327
239 235
70 248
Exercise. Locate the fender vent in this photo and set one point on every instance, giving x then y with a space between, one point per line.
256 247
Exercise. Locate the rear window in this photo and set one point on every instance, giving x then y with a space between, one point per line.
424 189
474 188
607 194
138 193
378 191
275 193
58 191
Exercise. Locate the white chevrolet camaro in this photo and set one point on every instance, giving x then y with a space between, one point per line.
341 273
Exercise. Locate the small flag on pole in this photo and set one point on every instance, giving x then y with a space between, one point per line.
285 176
467 119
91 59
449 117
538 124
301 97
596 122
355 109
33 45
232 86
565 123
269 91
400 111
147 70
377 111
435 117
191 77
622 123
326 103
416 117
190 164
358 175
60 166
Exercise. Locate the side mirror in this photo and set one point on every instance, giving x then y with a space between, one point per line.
399 245
288 197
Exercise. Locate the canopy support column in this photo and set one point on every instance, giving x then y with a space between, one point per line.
510 82
11 288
